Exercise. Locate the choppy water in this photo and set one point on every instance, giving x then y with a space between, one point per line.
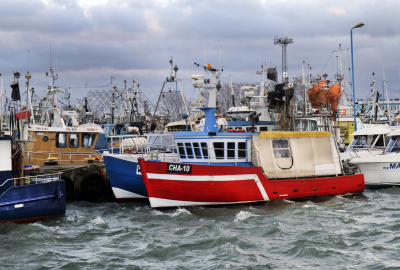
358 232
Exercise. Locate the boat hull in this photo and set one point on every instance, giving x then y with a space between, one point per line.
125 177
381 174
174 185
32 202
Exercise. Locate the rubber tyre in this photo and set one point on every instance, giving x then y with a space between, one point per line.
92 185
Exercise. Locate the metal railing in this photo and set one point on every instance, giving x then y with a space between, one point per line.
171 152
34 179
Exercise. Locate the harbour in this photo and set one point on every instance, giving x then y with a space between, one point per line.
356 232
199 135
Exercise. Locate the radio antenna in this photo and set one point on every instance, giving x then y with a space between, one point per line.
204 44
219 55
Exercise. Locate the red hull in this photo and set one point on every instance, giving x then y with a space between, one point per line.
211 185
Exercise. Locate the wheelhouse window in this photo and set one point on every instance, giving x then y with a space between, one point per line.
219 150
361 142
282 153
61 139
231 150
379 142
88 140
181 150
241 150
393 145
189 150
204 149
297 125
196 149
73 140
313 125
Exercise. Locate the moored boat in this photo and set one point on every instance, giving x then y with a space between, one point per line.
285 165
226 168
30 198
382 170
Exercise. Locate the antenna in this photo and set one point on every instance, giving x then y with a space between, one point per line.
204 44
219 57
51 60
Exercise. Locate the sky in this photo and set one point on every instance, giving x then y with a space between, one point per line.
88 42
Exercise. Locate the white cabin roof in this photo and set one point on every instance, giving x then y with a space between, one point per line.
395 133
371 131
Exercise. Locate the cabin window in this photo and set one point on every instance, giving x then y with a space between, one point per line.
112 131
61 139
204 149
73 140
118 131
393 145
304 125
219 150
380 143
189 150
313 126
362 141
124 130
282 153
241 150
297 125
263 128
45 138
196 149
181 150
231 150
88 140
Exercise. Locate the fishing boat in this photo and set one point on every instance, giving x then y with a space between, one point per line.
112 136
123 168
367 142
227 168
382 170
30 198
49 140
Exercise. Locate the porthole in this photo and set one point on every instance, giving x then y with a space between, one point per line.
45 138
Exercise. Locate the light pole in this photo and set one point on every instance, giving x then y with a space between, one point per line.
361 24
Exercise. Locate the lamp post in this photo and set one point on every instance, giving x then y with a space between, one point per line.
361 24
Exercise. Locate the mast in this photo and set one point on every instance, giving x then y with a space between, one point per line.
305 89
387 96
232 92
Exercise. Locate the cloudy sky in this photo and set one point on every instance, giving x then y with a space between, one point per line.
90 41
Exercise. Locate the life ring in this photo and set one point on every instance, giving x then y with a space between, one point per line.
236 130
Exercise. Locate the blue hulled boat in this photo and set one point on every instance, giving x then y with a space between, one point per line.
29 198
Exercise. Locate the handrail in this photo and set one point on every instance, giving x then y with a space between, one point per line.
35 178
250 155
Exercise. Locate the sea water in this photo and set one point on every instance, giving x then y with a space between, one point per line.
340 232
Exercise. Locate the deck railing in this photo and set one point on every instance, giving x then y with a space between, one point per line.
34 179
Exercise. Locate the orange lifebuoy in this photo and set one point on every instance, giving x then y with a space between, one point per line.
236 130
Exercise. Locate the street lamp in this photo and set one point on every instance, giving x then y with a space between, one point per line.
361 24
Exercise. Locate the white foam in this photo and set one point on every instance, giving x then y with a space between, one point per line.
242 215
98 221
177 212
